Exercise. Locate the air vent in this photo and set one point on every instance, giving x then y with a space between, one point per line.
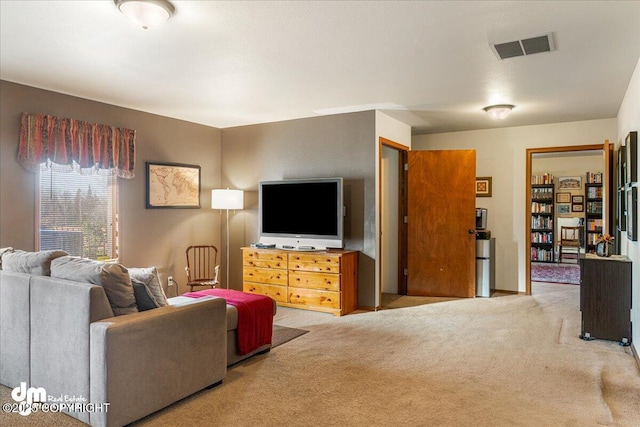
524 47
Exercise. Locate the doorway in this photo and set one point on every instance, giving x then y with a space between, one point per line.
392 225
561 156
427 241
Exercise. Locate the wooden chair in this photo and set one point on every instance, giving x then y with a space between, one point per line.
202 267
570 237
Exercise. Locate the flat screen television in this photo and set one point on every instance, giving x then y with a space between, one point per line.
302 214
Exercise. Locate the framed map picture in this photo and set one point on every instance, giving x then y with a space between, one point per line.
173 185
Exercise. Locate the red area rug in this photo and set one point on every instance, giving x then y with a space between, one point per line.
555 273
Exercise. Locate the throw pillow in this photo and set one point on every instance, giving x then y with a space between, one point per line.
2 251
149 276
113 277
36 263
144 297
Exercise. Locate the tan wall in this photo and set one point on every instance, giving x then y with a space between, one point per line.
501 154
339 145
629 120
147 236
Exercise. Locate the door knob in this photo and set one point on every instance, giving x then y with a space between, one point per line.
472 231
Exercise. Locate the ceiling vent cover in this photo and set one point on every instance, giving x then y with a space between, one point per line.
524 47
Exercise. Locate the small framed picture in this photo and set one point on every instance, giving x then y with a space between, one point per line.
564 209
577 200
632 213
631 147
483 186
563 197
569 182
579 207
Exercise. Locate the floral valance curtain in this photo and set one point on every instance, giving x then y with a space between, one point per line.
70 144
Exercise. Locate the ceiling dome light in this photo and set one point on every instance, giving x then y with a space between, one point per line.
146 13
500 111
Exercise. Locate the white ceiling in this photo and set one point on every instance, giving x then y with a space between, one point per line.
426 63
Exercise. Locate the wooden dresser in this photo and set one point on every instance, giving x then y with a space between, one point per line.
321 281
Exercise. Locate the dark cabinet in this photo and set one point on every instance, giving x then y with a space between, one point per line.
605 298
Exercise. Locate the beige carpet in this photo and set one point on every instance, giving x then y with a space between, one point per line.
511 360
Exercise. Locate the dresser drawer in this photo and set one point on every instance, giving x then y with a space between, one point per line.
314 298
312 280
326 263
278 293
265 276
264 259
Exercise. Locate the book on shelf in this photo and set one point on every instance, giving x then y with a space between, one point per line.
594 178
540 254
594 225
592 239
542 193
546 178
542 237
541 207
594 207
594 192
541 223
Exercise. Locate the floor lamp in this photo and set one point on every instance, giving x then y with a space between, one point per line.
227 199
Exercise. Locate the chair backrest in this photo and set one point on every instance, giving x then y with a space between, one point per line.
201 263
571 235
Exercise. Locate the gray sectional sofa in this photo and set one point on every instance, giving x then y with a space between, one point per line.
62 335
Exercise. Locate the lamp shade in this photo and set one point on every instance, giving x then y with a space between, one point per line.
146 13
227 199
499 112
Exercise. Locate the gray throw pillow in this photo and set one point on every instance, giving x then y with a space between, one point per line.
149 276
36 263
113 277
144 297
2 252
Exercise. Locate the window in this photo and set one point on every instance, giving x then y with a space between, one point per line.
78 213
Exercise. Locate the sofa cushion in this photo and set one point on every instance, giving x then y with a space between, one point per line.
2 251
149 276
36 263
144 297
114 279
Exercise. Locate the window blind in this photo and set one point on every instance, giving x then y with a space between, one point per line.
78 213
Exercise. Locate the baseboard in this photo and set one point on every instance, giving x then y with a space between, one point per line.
503 291
635 355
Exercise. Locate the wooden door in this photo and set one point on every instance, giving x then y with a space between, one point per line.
441 223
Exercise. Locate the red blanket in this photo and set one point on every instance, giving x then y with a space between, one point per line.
255 316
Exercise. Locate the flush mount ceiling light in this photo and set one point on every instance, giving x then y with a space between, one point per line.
146 13
500 111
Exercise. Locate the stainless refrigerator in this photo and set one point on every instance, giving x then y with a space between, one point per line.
485 267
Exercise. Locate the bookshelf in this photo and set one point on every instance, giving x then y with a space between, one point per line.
542 205
593 210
